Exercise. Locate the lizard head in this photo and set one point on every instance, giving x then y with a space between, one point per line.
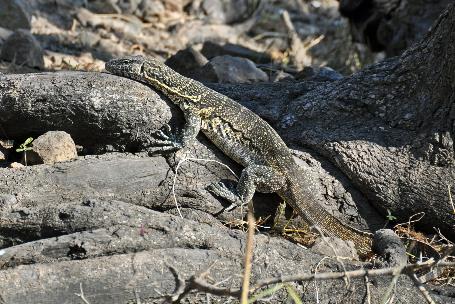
148 70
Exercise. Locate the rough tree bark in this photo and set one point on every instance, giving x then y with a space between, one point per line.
393 25
384 136
390 128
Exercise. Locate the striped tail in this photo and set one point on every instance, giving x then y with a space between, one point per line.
303 201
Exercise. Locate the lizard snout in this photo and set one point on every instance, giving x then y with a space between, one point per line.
125 66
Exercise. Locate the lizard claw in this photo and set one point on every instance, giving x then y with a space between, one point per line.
220 189
165 141
165 133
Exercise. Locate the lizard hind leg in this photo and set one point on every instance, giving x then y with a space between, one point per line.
254 177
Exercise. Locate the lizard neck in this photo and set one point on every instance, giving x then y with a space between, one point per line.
299 193
179 88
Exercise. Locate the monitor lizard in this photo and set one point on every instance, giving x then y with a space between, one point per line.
244 137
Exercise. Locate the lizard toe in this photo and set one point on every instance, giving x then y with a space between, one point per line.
220 189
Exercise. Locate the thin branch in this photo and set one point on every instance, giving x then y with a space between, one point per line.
201 285
389 294
138 298
248 255
351 274
81 295
421 288
198 283
450 199
181 289
367 287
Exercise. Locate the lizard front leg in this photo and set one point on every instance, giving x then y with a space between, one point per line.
254 177
166 141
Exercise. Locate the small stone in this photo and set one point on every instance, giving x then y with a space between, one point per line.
186 61
227 12
333 246
128 6
228 69
281 76
52 147
16 165
150 9
107 48
22 48
13 16
88 39
211 50
390 248
214 11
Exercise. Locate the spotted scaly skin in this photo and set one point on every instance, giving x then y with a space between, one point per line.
243 136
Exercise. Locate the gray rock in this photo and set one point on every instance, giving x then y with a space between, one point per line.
106 48
390 247
128 6
211 50
88 39
332 246
13 16
318 74
228 69
149 9
227 12
187 61
23 49
214 11
52 147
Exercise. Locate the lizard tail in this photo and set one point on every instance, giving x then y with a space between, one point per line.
303 201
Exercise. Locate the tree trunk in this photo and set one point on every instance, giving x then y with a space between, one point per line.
393 25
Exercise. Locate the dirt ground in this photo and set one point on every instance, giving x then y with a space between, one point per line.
76 38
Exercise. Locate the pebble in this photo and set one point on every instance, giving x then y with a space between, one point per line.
52 147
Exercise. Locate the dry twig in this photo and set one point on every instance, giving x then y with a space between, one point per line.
81 295
201 285
248 255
